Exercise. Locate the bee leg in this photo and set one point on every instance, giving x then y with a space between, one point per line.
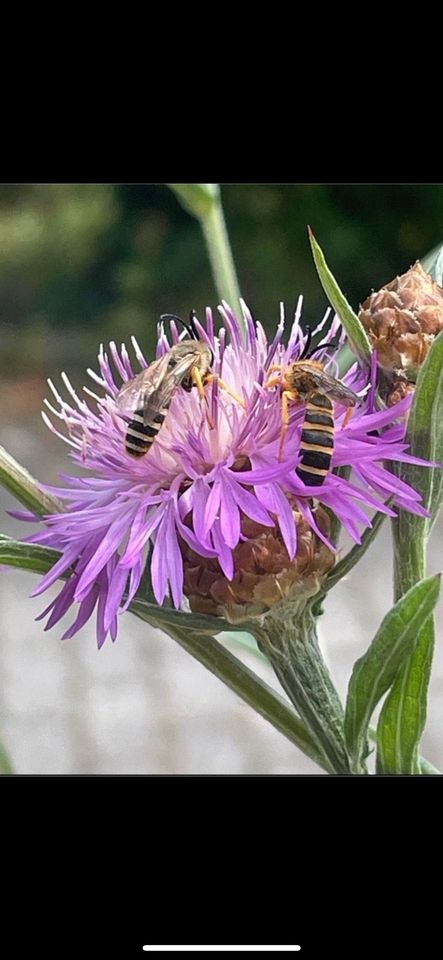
210 377
198 382
273 382
286 396
347 418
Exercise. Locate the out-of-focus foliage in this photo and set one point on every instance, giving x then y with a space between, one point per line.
83 263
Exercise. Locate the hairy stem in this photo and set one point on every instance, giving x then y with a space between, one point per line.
288 638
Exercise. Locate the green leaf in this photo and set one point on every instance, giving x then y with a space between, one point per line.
374 673
426 769
403 717
355 330
425 432
433 264
196 198
23 486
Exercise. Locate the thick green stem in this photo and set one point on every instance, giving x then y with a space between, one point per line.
409 554
288 639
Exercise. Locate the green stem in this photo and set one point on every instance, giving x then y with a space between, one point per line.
289 640
202 200
220 256
409 554
239 678
19 482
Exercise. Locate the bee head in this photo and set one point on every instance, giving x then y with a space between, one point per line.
189 327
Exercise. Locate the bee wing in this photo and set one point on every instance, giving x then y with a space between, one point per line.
157 399
333 388
132 395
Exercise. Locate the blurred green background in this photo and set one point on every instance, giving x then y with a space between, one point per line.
81 263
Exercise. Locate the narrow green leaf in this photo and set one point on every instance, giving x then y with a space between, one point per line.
426 769
374 673
23 486
425 431
433 264
196 198
355 330
344 566
403 717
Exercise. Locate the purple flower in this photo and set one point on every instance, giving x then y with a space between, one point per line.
205 476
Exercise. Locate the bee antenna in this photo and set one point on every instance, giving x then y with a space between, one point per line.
192 318
334 343
189 327
304 353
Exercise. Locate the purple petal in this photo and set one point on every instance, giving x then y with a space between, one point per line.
23 515
116 587
84 613
70 554
229 518
212 505
224 554
141 531
109 545
274 499
249 504
167 563
101 631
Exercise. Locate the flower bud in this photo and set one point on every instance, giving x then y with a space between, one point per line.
402 320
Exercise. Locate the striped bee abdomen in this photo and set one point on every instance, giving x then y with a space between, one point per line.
317 440
139 435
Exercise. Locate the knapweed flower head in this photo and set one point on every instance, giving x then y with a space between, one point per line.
402 320
215 511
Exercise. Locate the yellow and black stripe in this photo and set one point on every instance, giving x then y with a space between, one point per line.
317 440
139 435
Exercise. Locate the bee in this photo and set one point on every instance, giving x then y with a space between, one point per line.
306 381
147 397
